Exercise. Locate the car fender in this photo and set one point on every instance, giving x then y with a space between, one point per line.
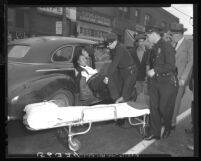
38 90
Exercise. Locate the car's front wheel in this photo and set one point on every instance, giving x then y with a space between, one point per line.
63 98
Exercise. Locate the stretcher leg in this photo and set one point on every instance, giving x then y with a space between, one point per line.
67 136
144 122
144 127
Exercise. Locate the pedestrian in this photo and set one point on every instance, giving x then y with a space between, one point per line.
163 85
140 55
122 67
184 62
167 36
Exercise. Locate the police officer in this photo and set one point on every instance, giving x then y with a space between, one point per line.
122 68
163 85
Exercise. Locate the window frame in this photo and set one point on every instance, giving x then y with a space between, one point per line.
68 61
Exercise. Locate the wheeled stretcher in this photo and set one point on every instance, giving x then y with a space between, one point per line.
46 115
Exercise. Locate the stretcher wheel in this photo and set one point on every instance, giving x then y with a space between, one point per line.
74 144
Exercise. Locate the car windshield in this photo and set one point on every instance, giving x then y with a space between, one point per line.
17 51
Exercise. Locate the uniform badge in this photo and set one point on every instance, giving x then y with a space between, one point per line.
159 50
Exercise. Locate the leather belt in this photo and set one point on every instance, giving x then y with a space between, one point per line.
128 67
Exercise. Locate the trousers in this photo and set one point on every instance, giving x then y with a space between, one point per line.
162 92
97 86
179 97
128 77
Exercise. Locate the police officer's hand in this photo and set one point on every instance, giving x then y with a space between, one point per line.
151 73
181 82
106 80
119 100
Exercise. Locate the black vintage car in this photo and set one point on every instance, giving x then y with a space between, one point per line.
41 68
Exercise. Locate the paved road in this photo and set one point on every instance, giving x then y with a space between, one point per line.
103 138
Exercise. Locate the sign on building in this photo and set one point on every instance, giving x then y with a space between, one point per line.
58 27
91 17
70 11
54 10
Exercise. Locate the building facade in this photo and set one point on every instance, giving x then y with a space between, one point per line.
40 21
129 20
86 22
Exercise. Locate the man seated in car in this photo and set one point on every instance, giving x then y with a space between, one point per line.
96 81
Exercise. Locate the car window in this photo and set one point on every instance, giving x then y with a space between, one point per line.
17 51
63 54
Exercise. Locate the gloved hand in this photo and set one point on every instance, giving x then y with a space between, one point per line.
181 82
119 100
106 80
151 73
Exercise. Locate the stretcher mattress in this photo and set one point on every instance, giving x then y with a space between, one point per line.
48 115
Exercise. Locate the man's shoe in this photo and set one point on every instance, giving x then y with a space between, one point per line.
173 127
150 137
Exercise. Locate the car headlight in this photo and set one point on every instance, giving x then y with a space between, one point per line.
15 99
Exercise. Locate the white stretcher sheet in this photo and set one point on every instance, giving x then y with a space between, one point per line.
48 115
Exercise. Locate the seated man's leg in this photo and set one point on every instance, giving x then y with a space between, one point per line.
98 86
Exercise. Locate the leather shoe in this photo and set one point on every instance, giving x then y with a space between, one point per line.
173 127
166 134
150 137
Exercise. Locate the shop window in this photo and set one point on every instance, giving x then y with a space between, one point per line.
137 15
124 12
19 18
147 19
63 54
11 17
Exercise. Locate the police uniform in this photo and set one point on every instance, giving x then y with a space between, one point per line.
163 86
124 71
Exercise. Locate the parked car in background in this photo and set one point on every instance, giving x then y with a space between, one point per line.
41 68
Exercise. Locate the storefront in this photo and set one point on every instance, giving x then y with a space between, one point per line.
18 28
92 26
39 21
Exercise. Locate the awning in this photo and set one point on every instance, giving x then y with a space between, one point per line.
129 38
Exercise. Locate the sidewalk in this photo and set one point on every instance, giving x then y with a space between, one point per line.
175 145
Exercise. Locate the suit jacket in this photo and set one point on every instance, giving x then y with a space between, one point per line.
162 58
141 65
184 60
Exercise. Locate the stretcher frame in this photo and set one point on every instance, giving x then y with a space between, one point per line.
73 143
